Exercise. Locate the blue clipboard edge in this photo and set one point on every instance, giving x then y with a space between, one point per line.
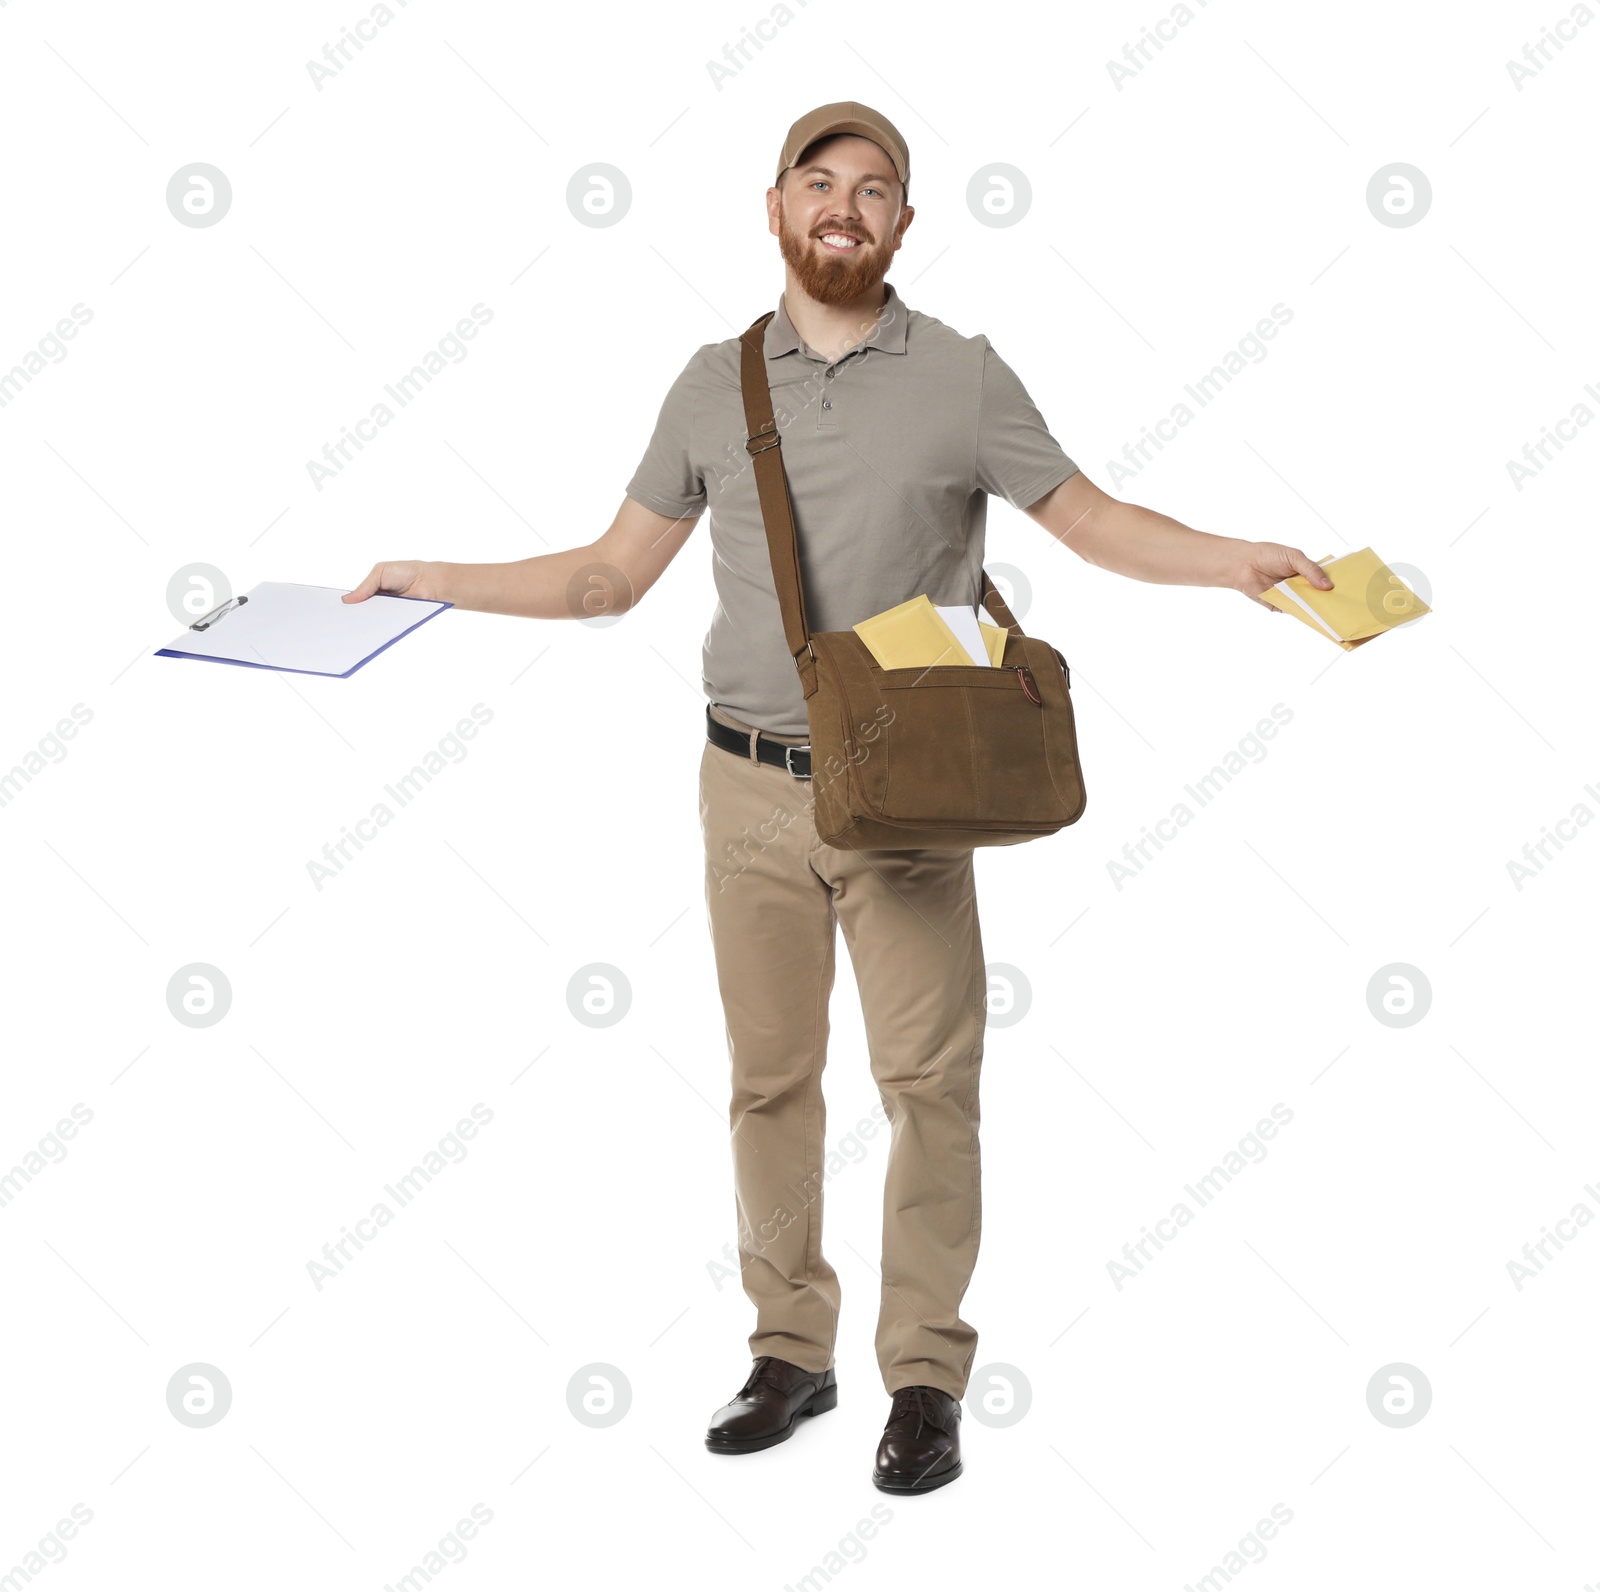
321 674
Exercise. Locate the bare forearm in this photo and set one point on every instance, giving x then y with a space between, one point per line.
541 587
1127 539
606 576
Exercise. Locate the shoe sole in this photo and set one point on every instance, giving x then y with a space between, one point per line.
915 1484
819 1404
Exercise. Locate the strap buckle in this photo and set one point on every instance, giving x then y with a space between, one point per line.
763 440
788 766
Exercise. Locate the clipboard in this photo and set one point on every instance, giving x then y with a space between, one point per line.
300 629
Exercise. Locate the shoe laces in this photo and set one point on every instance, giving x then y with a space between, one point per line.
764 1370
915 1401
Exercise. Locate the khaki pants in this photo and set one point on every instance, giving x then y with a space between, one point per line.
773 895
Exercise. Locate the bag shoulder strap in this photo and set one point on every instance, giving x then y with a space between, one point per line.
765 446
772 487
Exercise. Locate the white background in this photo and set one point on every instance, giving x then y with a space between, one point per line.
1167 1017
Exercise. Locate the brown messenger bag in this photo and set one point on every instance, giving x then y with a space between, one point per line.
952 755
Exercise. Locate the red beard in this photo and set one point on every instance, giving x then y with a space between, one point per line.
834 278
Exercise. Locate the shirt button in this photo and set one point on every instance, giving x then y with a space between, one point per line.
826 404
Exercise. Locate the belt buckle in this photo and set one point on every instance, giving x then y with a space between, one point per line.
788 766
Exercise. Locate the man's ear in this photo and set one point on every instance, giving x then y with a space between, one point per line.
774 210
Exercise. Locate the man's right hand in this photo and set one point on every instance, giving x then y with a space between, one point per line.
416 578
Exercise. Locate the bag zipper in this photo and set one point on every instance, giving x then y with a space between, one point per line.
1028 683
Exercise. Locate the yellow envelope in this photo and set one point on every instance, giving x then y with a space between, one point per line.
911 635
1366 599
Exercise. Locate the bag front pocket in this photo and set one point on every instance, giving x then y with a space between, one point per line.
967 744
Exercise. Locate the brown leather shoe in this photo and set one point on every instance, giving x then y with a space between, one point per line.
921 1445
764 1411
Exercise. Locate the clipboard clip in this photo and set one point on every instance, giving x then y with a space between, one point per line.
205 622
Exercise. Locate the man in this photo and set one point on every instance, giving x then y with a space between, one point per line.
894 428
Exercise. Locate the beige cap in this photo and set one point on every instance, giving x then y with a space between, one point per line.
847 116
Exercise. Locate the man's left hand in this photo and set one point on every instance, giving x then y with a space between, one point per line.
1269 562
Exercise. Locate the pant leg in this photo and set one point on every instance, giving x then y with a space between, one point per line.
773 929
910 920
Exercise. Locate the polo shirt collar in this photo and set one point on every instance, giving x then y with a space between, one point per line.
781 337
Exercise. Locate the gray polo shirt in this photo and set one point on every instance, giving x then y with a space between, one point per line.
891 452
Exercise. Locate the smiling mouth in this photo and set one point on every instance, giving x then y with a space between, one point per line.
839 242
